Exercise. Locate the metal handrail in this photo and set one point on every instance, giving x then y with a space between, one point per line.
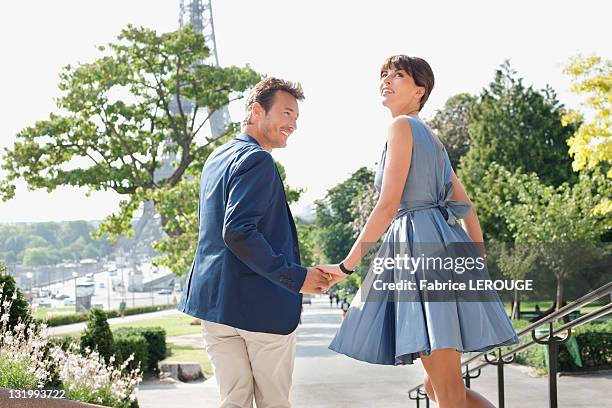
593 315
551 340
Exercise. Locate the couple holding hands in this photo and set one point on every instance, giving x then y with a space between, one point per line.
246 280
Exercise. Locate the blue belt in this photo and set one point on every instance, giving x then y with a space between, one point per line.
450 209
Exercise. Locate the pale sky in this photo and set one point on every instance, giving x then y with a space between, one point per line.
334 48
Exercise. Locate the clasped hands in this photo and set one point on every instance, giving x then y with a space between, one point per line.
322 277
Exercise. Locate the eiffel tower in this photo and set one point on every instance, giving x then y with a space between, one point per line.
198 13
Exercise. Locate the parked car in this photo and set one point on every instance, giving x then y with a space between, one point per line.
165 292
69 302
44 303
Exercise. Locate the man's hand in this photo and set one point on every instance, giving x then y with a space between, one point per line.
316 281
334 272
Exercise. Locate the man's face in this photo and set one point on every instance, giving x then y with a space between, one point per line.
280 121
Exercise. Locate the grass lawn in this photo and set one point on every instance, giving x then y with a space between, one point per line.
176 324
188 353
43 312
529 306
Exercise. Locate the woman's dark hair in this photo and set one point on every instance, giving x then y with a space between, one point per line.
417 68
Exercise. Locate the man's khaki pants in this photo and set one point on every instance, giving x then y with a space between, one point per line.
250 364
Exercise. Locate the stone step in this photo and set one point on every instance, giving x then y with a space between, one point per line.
184 371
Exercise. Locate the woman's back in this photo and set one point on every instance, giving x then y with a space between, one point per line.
429 168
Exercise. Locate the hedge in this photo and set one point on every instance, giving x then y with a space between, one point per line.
125 345
82 316
594 342
155 339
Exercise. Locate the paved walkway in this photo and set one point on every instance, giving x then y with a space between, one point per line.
323 378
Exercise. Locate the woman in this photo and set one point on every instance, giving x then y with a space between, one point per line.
420 200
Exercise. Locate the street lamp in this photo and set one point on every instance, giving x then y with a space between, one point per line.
75 275
30 275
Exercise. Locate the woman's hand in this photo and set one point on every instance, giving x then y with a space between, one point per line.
334 272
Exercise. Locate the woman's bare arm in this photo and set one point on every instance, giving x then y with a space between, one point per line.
397 166
471 225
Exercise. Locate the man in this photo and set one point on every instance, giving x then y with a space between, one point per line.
246 280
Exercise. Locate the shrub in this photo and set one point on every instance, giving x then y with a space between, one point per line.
81 317
134 345
28 360
64 342
19 311
89 378
147 309
16 372
97 336
594 342
21 351
66 319
156 343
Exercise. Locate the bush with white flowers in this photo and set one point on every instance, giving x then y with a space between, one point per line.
21 352
85 376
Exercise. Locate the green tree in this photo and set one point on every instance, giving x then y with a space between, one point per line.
515 260
517 127
9 257
35 241
20 310
49 231
71 231
293 194
497 190
52 242
77 249
121 114
40 256
361 208
560 223
309 251
333 215
15 243
452 125
97 335
591 144
90 251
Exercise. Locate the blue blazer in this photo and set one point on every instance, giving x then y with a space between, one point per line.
246 271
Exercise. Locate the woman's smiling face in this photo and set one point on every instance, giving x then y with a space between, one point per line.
397 89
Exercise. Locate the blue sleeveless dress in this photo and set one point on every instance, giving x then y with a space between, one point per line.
382 328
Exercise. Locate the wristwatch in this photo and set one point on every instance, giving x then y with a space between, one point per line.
343 269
